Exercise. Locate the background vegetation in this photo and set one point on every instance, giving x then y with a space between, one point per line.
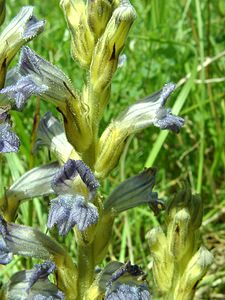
170 41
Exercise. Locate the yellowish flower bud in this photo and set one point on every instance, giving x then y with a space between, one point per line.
82 43
178 234
99 13
163 261
196 269
110 147
105 57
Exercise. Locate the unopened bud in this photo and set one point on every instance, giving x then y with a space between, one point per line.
179 236
99 13
106 54
196 269
82 43
110 147
163 262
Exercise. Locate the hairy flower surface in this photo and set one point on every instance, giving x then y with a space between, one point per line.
128 291
22 90
69 210
9 142
39 77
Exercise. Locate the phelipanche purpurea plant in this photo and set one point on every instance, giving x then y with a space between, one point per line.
98 29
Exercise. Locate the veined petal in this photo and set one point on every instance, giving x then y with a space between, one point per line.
51 133
22 90
36 182
34 284
26 241
21 29
59 87
9 142
151 111
69 210
134 191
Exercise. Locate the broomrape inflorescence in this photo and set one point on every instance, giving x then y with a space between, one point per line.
98 29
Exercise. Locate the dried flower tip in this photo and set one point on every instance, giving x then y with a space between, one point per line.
69 210
9 142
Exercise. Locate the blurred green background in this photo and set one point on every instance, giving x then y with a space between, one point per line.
178 41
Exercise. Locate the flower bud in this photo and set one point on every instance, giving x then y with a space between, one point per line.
163 262
82 43
110 147
180 238
2 11
99 13
106 54
196 269
36 182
